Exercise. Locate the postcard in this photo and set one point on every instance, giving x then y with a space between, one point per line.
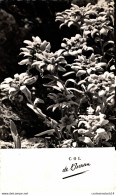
57 97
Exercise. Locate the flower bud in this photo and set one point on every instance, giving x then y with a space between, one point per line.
101 93
50 68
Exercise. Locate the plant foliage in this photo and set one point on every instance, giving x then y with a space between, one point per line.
78 79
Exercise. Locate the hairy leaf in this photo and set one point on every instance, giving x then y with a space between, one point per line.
48 132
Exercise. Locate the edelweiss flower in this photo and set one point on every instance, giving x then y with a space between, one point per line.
11 87
67 122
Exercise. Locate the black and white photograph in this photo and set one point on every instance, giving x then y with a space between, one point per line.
57 96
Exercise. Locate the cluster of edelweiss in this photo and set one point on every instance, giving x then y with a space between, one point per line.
91 77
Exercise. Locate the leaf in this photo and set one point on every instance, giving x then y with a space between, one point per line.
18 142
80 73
48 47
81 82
55 87
85 123
90 86
86 140
88 5
13 128
83 131
60 85
64 146
92 57
49 76
43 45
72 102
5 89
103 135
75 6
107 143
101 64
53 107
74 53
8 80
66 21
70 23
25 61
88 21
13 91
67 141
70 80
26 54
86 32
26 92
104 122
38 101
48 132
102 13
36 63
36 39
112 18
31 80
109 98
60 68
73 89
37 110
59 52
90 49
90 12
23 76
28 42
98 68
4 86
33 108
68 73
15 135
59 18
40 113
24 49
111 43
58 14
52 95
40 56
76 68
100 130
61 25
